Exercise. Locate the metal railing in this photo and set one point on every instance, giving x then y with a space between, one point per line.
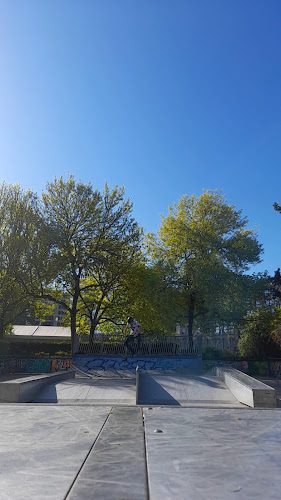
158 346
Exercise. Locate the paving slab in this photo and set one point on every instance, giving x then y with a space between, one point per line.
42 448
90 391
116 467
181 389
214 454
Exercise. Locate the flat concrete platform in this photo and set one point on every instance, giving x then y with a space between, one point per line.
133 453
203 454
42 448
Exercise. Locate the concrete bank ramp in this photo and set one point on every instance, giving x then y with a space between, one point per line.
90 391
184 389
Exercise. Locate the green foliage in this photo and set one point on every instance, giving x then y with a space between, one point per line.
211 353
75 249
257 340
29 349
258 368
80 248
277 207
97 242
204 248
19 220
109 328
151 299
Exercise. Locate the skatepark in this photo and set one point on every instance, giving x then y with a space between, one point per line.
137 430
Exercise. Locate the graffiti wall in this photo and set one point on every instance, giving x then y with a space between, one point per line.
58 365
36 365
108 366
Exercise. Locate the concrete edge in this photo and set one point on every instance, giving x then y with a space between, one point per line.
24 390
248 391
137 384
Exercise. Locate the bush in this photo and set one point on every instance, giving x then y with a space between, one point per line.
257 340
30 349
211 353
227 354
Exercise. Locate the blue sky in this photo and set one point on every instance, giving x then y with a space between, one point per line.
163 97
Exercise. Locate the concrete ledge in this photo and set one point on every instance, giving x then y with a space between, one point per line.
24 390
246 389
137 384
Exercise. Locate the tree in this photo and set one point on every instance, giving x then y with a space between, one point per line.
152 300
85 233
275 288
104 292
19 216
260 337
205 247
277 207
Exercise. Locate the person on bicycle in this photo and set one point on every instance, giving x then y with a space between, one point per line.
135 333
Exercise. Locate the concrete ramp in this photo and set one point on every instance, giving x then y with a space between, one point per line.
89 392
183 389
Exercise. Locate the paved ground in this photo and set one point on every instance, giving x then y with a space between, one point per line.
73 448
84 452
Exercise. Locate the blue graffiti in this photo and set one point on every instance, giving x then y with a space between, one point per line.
106 366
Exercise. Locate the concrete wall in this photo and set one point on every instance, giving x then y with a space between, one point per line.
102 364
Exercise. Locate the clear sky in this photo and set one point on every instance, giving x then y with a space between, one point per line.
164 97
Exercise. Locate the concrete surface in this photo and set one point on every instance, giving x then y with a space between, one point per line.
70 452
71 445
22 390
89 391
181 389
116 465
205 454
247 389
42 448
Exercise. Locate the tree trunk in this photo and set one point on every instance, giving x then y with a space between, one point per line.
2 324
191 314
92 328
73 315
